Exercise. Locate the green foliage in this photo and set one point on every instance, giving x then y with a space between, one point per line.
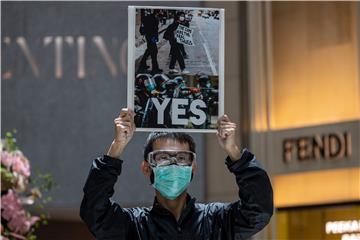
10 141
43 181
7 179
6 175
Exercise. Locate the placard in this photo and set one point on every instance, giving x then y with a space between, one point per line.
176 68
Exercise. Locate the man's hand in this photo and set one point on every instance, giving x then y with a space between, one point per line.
124 130
226 137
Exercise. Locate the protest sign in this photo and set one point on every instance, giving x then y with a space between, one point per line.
184 35
176 68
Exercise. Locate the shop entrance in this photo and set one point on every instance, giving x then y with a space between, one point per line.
341 222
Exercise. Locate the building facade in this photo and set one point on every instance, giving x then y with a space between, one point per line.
298 106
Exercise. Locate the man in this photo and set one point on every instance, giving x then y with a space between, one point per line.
175 47
186 22
170 165
151 31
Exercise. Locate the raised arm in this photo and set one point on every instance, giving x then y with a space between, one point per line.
252 212
124 131
105 218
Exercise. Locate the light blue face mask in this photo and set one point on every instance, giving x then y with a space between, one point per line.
171 180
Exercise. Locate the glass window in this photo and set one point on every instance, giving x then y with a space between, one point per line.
326 223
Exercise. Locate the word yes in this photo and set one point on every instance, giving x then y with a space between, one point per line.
177 110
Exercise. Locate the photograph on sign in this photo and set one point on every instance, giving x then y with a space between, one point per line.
176 68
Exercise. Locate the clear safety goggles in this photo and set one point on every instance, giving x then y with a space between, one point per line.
168 157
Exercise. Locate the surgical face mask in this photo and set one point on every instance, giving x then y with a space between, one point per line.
171 180
181 19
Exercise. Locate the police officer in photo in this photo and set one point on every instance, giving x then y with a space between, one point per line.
170 165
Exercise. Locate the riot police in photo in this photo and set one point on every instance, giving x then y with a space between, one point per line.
161 101
145 89
210 95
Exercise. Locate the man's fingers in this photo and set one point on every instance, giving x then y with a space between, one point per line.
124 123
224 121
119 123
224 118
123 112
126 117
227 125
126 112
223 134
219 134
220 119
128 127
131 112
228 128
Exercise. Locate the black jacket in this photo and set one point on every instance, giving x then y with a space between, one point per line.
151 25
169 33
238 220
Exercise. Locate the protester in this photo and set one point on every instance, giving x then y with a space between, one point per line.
150 28
175 47
186 23
170 164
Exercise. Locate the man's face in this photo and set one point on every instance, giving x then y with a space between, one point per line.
166 144
181 17
170 180
172 146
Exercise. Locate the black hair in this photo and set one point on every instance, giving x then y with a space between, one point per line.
178 14
177 136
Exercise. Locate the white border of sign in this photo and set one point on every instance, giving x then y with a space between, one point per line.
131 66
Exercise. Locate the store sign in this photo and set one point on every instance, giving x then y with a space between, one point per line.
349 230
314 148
65 50
318 146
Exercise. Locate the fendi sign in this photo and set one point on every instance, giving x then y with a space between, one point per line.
325 146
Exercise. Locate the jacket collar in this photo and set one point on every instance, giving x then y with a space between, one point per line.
160 210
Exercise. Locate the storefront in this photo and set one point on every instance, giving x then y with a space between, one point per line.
322 222
305 115
316 178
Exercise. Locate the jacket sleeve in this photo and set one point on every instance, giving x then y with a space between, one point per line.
169 33
104 218
252 212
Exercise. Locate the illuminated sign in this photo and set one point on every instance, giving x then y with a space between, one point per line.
327 146
350 230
